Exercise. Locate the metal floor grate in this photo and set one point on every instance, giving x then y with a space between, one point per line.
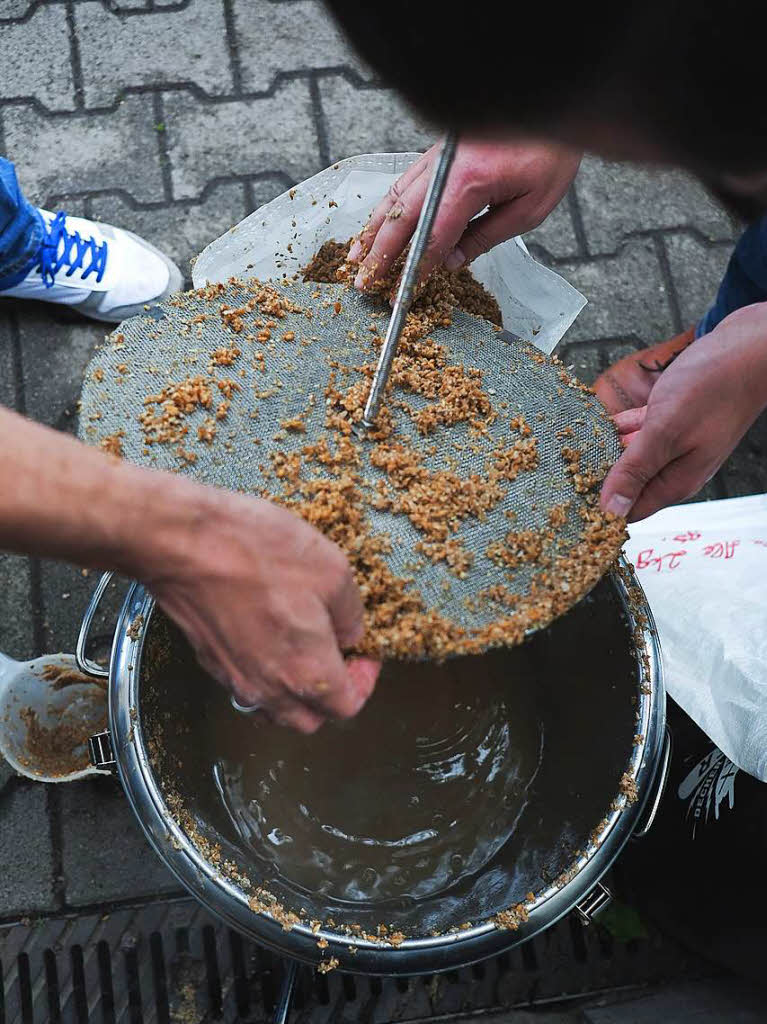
173 963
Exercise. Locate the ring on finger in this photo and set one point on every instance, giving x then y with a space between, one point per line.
245 709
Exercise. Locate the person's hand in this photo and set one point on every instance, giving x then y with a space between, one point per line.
697 412
268 604
266 601
520 182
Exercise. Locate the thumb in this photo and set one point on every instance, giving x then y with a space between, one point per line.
363 673
640 463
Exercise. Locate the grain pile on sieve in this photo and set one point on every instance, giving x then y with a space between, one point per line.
336 480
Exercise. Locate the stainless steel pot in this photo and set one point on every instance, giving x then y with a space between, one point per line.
617 606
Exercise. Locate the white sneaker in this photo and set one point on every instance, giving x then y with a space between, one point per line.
102 271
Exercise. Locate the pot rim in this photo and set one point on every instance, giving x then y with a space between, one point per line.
225 898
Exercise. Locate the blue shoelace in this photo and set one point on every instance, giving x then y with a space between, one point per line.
73 251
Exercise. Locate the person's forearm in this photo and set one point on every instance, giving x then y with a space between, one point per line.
61 499
268 604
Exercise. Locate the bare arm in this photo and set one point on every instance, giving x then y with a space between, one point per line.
266 601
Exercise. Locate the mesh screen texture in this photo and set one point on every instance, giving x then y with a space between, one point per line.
278 380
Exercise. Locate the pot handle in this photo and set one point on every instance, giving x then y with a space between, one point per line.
659 786
84 663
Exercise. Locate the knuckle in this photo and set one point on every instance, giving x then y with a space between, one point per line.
395 191
296 676
637 473
345 708
279 710
246 696
324 690
479 240
343 699
309 726
474 189
274 679
249 688
466 180
283 718
377 258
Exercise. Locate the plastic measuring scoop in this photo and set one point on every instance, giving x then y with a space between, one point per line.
48 710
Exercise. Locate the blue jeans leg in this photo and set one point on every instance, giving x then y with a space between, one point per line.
745 280
21 227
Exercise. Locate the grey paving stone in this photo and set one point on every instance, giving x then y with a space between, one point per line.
618 199
585 361
556 235
240 137
697 271
6 772
626 293
181 231
35 59
77 206
15 599
611 351
65 593
187 45
26 861
14 8
265 189
298 36
132 5
104 853
16 632
7 380
56 345
369 121
115 150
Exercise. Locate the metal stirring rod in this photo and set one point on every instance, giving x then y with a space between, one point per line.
409 280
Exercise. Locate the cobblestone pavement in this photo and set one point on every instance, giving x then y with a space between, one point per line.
176 118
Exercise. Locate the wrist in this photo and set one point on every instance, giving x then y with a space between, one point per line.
61 499
744 333
160 524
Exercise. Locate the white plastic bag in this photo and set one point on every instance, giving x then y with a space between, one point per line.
703 567
282 236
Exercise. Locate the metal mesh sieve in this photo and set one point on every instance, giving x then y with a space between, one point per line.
553 505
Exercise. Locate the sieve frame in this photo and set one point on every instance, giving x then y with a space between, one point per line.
413 956
156 348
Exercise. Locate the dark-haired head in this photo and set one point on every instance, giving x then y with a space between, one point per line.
679 81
